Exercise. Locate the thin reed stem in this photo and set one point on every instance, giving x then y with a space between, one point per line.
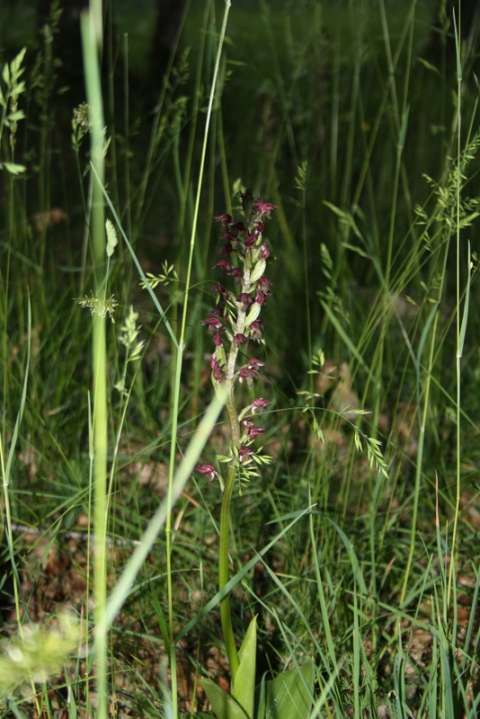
459 349
91 42
178 368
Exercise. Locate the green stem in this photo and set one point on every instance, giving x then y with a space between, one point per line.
224 572
223 553
458 357
99 354
178 371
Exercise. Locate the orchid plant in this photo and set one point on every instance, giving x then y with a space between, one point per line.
236 330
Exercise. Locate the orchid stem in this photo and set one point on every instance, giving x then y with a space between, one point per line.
223 556
224 572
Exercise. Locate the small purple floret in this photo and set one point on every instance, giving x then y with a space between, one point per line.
244 453
207 470
239 339
224 219
256 330
217 370
264 251
259 404
263 208
213 321
245 300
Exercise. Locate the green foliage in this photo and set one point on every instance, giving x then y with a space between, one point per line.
351 118
224 706
12 87
289 695
243 683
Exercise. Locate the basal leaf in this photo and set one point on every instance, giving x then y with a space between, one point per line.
223 705
289 695
243 685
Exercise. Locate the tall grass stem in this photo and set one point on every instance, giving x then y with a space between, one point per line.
179 362
91 41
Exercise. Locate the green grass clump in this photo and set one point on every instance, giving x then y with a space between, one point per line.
356 547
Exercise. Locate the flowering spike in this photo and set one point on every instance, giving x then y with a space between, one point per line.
244 256
232 326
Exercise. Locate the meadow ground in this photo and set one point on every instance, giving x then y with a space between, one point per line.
349 526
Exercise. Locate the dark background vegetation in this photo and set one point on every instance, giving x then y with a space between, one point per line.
336 111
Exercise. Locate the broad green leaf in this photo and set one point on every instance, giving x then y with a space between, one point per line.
289 695
223 705
262 699
243 684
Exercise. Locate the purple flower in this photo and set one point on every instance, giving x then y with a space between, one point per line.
207 470
251 429
256 330
235 272
220 290
213 321
245 300
264 285
259 404
250 239
261 298
217 370
263 208
224 265
224 219
239 339
264 251
217 339
255 363
246 373
250 369
244 453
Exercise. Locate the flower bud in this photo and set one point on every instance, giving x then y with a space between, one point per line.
253 313
258 270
